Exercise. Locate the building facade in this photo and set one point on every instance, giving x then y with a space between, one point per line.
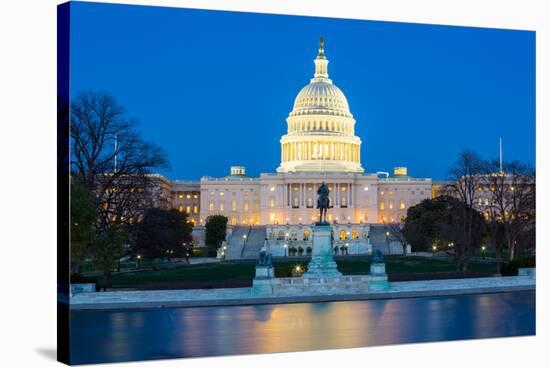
319 146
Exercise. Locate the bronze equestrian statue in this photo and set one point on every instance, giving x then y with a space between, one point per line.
323 202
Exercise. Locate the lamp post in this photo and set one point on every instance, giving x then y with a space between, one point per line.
483 248
139 261
285 247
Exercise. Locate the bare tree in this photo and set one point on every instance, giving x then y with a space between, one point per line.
465 177
394 233
109 157
494 186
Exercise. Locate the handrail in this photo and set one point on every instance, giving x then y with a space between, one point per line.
246 241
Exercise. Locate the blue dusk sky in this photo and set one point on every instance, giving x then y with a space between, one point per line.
213 89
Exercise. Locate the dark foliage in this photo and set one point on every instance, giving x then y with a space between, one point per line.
163 234
215 229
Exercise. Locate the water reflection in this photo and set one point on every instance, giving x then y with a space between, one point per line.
109 336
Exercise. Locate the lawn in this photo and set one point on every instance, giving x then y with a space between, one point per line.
240 273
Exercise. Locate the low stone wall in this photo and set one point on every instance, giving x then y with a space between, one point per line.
529 272
299 285
82 288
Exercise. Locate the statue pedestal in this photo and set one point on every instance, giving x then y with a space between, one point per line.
377 278
263 282
322 264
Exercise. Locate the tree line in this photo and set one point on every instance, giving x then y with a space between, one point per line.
484 205
112 214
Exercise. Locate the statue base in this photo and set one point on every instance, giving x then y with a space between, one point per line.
377 278
322 264
263 282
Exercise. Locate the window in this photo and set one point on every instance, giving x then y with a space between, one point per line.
271 203
309 202
343 235
272 188
195 209
306 235
294 235
344 202
180 195
246 206
329 217
180 208
402 204
222 193
233 205
281 235
354 234
295 203
188 196
234 221
391 204
211 206
195 196
366 188
221 207
188 209
382 192
382 205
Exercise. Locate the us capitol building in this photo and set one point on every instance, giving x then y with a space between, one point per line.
277 209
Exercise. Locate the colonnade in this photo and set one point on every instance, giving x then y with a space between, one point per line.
321 125
303 151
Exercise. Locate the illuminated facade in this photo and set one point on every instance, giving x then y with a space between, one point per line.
319 146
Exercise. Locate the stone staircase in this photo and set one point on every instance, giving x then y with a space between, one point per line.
235 242
377 236
254 242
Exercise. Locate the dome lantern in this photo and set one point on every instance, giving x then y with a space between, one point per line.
321 62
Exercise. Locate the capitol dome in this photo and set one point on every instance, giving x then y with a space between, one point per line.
321 97
321 129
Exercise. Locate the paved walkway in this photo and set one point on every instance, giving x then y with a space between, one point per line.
243 296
